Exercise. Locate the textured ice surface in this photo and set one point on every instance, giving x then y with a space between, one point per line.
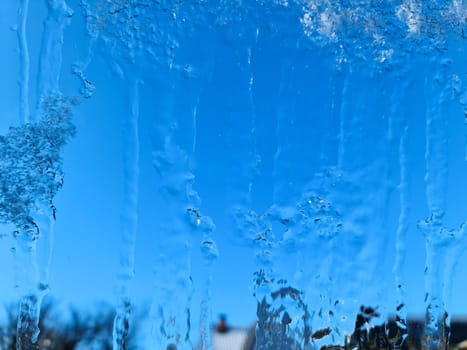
323 128
30 163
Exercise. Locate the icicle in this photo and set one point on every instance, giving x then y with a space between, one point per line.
458 246
172 271
401 239
50 60
24 62
437 242
359 190
398 131
245 155
27 329
34 212
328 315
87 86
341 152
205 226
40 171
436 327
255 157
268 333
340 299
129 220
463 102
282 315
209 251
269 289
444 246
195 130
24 251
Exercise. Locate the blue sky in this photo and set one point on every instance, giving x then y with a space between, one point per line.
240 98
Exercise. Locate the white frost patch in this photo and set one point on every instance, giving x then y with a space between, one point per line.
328 22
385 55
324 23
458 10
409 12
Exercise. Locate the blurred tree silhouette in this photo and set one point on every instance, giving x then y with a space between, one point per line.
76 331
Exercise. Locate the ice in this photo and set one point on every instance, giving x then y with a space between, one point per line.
210 253
401 239
24 59
31 176
50 60
31 164
328 131
129 220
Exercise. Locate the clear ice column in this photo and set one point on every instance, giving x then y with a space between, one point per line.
129 219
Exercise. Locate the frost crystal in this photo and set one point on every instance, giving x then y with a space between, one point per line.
30 163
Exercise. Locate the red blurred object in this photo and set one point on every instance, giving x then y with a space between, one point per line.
221 326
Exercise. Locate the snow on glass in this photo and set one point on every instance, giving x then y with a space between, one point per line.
331 144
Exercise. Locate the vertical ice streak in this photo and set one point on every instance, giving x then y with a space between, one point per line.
278 121
27 329
129 218
205 226
45 245
345 259
26 201
341 152
33 214
255 158
401 238
359 191
267 328
195 130
24 251
435 337
436 150
437 242
35 244
209 253
23 61
178 220
172 272
245 152
398 134
282 315
257 227
50 60
458 241
28 315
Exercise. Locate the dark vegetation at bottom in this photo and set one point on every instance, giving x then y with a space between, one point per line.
75 330
93 330
274 329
